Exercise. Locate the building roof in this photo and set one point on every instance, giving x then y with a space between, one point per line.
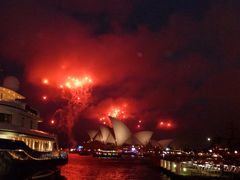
120 134
121 131
143 137
9 95
92 134
165 142
105 133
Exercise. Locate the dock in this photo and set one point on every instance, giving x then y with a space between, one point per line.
191 169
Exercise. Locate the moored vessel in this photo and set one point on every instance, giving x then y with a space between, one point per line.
23 148
106 153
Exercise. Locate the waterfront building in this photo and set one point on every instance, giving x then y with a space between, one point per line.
20 140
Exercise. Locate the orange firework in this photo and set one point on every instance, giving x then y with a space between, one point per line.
165 124
44 98
77 92
139 125
75 83
52 122
45 81
117 112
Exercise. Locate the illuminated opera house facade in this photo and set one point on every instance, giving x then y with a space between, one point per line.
119 135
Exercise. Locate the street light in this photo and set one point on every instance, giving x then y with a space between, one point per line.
209 139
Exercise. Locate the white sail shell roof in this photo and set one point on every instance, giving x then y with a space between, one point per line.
154 142
98 137
165 142
103 135
92 134
143 137
107 136
110 139
129 141
121 131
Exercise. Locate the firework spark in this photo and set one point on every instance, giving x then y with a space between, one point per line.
45 81
44 98
52 122
165 124
139 124
77 92
116 111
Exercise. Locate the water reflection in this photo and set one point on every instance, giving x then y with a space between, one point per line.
40 174
87 167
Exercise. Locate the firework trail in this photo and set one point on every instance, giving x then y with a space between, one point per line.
77 93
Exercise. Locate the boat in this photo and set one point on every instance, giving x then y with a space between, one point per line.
109 153
23 148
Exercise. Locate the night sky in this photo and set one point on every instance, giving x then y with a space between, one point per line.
167 60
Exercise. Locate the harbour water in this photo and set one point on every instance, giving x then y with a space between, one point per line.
90 168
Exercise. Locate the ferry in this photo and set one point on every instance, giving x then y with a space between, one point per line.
110 153
24 148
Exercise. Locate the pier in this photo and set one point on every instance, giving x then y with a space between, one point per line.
195 169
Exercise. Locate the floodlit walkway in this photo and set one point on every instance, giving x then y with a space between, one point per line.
190 168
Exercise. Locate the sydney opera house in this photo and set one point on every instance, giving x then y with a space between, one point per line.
120 135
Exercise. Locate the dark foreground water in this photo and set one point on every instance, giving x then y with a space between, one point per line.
90 168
